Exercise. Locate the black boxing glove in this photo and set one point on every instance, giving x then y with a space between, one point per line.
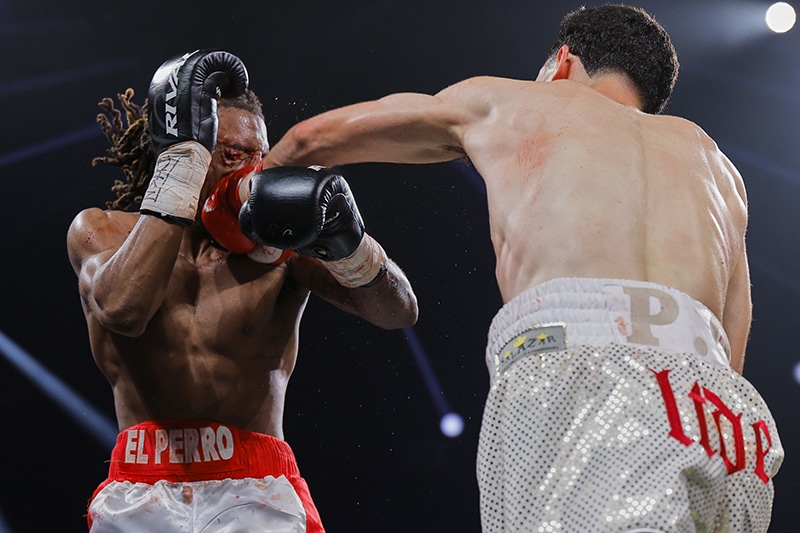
182 120
182 100
312 211
220 217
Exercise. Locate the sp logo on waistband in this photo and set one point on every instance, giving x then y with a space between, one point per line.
669 321
550 338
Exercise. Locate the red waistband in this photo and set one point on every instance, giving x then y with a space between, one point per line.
197 450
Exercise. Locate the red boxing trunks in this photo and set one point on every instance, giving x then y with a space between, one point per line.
190 475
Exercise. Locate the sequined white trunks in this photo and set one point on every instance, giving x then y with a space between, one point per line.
613 409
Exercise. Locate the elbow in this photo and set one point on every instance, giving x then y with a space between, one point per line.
405 310
297 147
411 313
405 316
121 319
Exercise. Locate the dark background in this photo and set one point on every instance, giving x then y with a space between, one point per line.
359 415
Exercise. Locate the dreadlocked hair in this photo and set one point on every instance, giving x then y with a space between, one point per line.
131 148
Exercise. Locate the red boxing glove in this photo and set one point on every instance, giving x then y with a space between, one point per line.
220 216
221 213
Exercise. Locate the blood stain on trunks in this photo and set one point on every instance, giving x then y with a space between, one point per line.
188 493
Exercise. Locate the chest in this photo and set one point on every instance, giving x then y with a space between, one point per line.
223 291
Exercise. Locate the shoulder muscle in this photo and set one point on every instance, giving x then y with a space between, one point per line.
94 231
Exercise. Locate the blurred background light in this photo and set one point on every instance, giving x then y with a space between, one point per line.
452 425
781 17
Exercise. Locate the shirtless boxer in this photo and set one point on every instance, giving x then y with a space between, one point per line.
616 400
196 327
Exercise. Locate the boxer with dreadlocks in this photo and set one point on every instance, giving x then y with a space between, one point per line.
194 325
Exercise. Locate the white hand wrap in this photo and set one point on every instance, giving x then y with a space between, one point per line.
174 190
362 266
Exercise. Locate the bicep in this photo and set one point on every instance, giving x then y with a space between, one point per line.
400 128
425 128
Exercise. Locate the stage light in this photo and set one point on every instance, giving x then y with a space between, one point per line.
780 17
797 372
55 143
4 527
93 421
452 425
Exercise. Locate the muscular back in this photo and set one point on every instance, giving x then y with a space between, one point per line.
580 185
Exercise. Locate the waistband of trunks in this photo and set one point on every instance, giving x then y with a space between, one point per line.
197 450
598 312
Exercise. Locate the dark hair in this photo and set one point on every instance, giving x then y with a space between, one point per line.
248 102
131 148
624 39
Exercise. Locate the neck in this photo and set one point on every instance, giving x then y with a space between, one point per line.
617 87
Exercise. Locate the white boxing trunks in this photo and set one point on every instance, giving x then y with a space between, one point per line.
195 475
613 409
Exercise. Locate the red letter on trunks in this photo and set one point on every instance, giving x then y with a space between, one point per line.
673 415
759 428
736 425
699 400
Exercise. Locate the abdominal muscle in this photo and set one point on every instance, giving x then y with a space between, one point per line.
217 349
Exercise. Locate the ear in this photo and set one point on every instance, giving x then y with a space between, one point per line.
563 63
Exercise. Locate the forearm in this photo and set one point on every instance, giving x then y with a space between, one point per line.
325 140
404 128
738 332
300 146
129 287
126 290
737 314
383 294
390 303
